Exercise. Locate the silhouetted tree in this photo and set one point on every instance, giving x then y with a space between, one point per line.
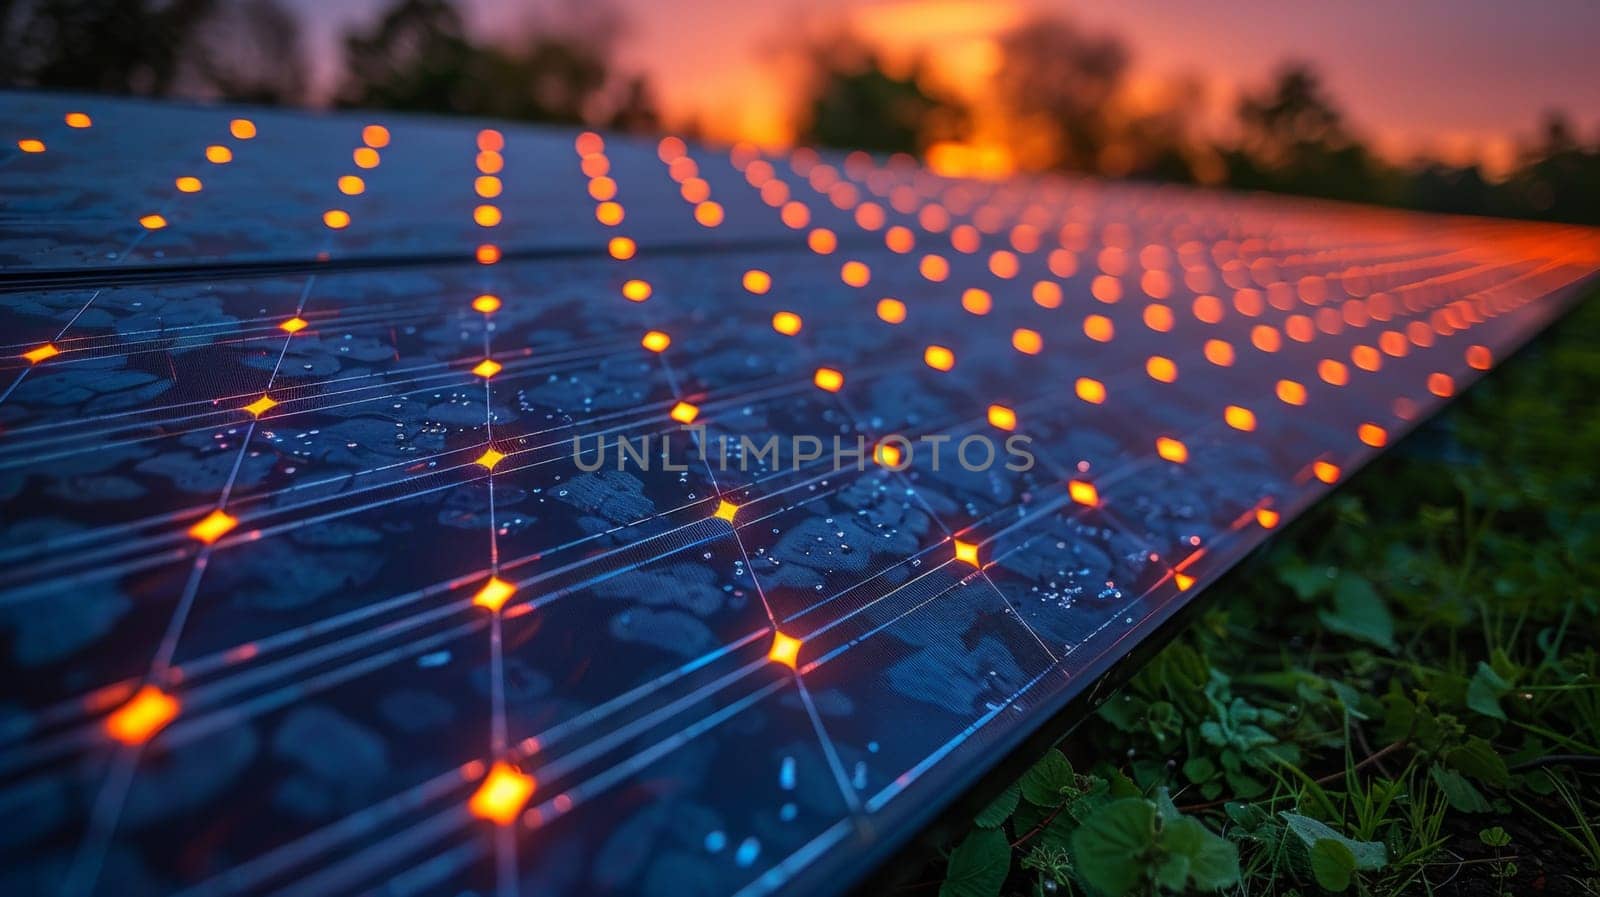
855 103
109 46
1294 141
248 51
1057 84
416 57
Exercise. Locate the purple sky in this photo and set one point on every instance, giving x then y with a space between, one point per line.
1460 77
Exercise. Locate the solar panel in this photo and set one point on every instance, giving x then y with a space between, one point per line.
428 508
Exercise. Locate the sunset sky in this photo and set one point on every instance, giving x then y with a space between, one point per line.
1457 78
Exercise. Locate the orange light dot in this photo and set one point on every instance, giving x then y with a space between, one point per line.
785 650
939 358
1219 353
1266 517
887 455
153 222
1158 318
1332 372
1291 393
855 274
1047 294
966 552
502 795
656 341
1239 418
188 185
1300 328
486 303
1083 493
757 281
30 145
1372 435
602 188
242 128
365 157
488 368
217 154
1265 338
828 379
489 459
1098 328
1062 262
684 413
608 213
726 510
1090 390
589 143
1026 341
595 166
709 214
1106 288
1172 450
934 268
1003 264
490 162
1480 358
976 301
822 241
487 254
337 219
48 350
1441 385
795 215
1208 309
487 186
636 290
294 325
1366 358
1325 471
786 322
899 239
1002 418
496 592
350 185
376 136
78 120
486 215
670 148
147 713
621 248
489 140
213 526
1161 368
891 311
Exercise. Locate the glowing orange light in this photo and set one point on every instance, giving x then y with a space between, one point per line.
757 281
795 215
490 140
1161 368
350 185
1002 418
621 248
1441 385
376 136
1062 262
785 650
725 510
77 120
976 301
1047 294
1332 372
609 213
589 143
1291 393
939 358
1208 309
670 148
487 186
1219 353
261 406
636 290
187 185
1105 288
148 712
490 162
1182 580
489 459
1003 264
486 303
217 154
1098 328
1083 492
336 219
828 379
934 268
1325 471
602 188
153 222
487 254
487 368
899 239
656 341
1299 328
786 322
1239 418
1366 358
30 145
1090 390
1266 517
1158 318
855 274
684 413
502 794
708 214
365 157
887 455
966 552
48 350
1372 435
486 216
891 311
1026 341
1479 358
213 526
1265 338
242 128
1172 450
294 325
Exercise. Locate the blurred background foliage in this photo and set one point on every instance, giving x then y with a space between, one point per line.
1062 98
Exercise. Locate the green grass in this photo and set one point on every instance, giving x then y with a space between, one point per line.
1401 696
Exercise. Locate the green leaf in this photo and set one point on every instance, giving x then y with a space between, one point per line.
1485 691
1333 864
1458 791
1050 781
1211 862
1477 759
978 866
1369 855
1494 836
1359 612
1110 848
1000 809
